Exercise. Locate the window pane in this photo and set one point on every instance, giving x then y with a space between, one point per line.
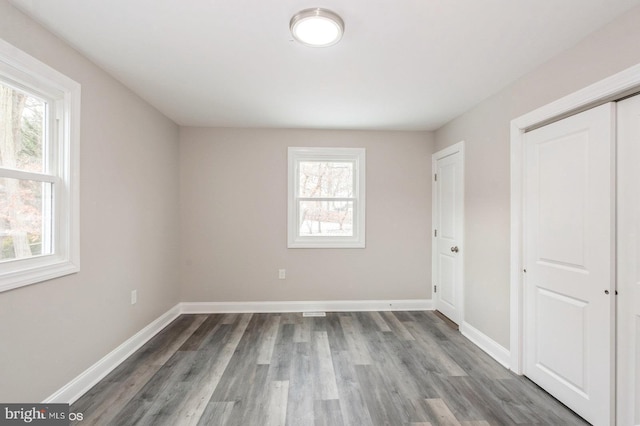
21 130
25 218
326 218
326 179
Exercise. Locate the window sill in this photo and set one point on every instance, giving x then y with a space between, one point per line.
41 269
327 244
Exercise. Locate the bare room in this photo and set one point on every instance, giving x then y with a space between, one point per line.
320 213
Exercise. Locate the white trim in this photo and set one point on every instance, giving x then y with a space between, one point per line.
77 387
63 96
20 174
356 156
450 150
608 89
307 306
453 149
91 376
516 338
628 251
484 342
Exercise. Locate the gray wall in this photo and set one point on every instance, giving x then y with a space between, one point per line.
485 128
52 331
233 219
228 239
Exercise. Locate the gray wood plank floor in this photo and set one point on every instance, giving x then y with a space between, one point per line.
364 368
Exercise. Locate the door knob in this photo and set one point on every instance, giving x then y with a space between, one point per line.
454 249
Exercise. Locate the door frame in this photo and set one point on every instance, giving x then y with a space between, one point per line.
612 88
446 152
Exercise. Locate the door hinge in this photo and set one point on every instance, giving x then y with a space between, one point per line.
435 177
435 232
435 288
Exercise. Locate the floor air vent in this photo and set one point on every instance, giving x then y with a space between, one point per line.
314 314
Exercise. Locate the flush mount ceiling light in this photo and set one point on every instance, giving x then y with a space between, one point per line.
316 27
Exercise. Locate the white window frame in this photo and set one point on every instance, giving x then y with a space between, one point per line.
62 94
353 155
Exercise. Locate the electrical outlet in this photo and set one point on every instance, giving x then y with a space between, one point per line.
134 297
282 274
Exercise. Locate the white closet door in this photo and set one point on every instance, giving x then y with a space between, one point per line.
629 261
569 238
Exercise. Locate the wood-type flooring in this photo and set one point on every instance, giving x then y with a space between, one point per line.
364 368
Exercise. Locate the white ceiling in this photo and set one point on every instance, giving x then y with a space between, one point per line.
402 64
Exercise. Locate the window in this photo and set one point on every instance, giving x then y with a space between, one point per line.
326 198
39 126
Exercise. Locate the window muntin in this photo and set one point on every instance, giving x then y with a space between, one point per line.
39 125
326 197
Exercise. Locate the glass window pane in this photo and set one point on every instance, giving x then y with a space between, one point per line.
326 179
21 130
326 218
25 218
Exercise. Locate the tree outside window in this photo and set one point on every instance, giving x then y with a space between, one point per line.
22 208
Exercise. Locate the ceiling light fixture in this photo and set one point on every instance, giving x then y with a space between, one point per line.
317 27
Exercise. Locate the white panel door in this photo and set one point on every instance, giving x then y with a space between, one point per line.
448 221
568 253
629 262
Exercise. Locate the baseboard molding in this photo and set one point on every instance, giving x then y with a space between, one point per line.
307 306
484 342
91 376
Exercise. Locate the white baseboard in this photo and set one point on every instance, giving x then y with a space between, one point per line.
307 306
91 376
484 342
